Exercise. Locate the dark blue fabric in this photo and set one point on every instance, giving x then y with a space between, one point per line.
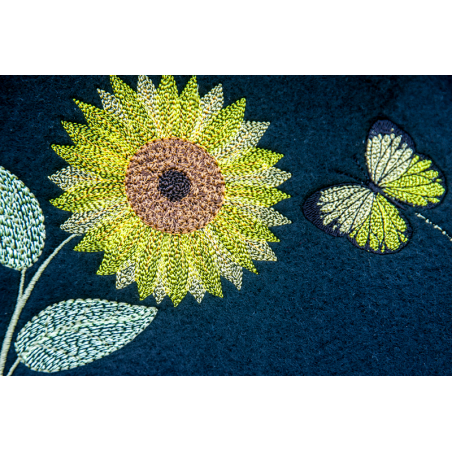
326 307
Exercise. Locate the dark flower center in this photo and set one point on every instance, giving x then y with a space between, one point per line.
174 185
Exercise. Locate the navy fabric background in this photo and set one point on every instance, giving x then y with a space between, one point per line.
326 307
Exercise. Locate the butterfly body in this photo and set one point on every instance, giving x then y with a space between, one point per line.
375 188
365 213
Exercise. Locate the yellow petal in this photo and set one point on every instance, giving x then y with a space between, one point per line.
168 105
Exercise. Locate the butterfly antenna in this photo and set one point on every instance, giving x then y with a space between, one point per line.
435 226
358 163
348 175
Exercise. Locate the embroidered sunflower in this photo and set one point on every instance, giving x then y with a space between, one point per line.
171 187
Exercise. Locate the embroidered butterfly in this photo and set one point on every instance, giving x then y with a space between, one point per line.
366 213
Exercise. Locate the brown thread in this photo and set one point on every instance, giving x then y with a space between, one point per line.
195 210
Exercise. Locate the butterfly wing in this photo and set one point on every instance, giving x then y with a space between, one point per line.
368 220
398 171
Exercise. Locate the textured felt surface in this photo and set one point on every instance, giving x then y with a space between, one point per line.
326 307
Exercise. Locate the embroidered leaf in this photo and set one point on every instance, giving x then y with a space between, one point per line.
22 232
73 333
168 215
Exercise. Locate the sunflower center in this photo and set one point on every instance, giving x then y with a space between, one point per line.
174 186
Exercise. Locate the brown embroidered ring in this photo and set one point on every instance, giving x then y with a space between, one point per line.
174 186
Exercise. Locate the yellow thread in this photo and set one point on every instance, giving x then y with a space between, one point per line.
363 213
116 215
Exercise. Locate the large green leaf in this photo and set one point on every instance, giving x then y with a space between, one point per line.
73 333
22 232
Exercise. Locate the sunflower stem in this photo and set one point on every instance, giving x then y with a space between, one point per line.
13 368
22 282
22 299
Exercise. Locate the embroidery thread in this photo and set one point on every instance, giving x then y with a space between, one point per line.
67 334
73 333
367 214
171 188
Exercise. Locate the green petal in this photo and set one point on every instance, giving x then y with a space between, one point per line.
121 246
189 108
108 125
148 97
267 215
168 105
126 275
209 106
175 269
228 268
82 198
196 287
199 254
95 239
94 148
252 161
233 242
271 177
78 159
70 177
223 127
137 117
247 137
258 196
148 262
247 225
260 251
82 222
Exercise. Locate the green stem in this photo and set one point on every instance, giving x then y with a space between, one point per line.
13 368
22 299
22 281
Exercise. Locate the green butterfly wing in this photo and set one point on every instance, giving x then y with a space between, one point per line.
402 174
365 217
